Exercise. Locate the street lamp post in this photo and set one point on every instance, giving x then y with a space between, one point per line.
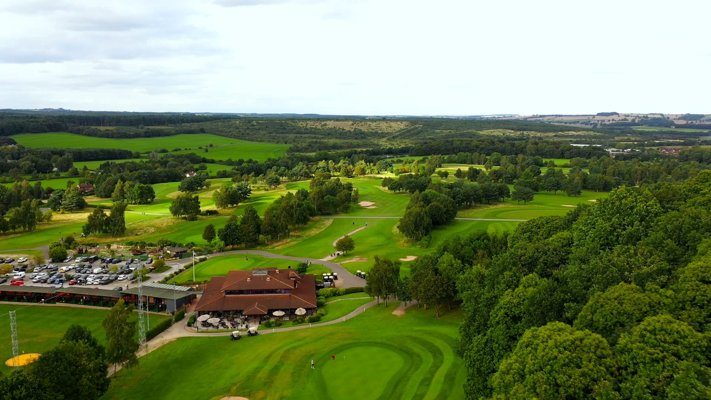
193 266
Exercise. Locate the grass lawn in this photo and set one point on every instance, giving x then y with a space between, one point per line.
223 147
39 328
377 356
221 265
543 204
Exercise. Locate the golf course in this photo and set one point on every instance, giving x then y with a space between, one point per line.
375 355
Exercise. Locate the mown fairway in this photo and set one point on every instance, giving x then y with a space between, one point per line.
543 204
39 328
377 356
222 148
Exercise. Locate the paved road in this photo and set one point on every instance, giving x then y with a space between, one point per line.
458 218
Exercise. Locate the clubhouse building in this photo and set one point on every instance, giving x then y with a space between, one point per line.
259 293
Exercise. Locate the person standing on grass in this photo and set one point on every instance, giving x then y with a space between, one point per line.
313 364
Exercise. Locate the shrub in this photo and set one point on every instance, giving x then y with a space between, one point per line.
179 315
192 319
353 290
156 330
313 318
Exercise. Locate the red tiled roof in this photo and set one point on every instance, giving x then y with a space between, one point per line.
214 299
256 309
264 279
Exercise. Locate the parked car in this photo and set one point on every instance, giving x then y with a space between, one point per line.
22 259
17 282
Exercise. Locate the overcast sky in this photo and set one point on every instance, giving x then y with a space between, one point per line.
454 57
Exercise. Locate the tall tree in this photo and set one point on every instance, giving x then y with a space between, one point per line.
383 279
185 205
230 233
658 355
250 226
522 193
121 340
208 234
345 244
78 359
116 222
582 366
96 222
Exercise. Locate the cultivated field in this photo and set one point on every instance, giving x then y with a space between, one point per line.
219 147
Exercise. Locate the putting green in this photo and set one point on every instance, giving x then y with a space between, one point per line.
377 356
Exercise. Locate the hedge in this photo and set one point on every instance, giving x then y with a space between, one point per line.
179 315
156 330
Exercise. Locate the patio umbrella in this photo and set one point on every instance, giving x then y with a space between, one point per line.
203 317
278 313
213 321
300 311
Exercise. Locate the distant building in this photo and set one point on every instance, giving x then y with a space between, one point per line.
258 293
86 188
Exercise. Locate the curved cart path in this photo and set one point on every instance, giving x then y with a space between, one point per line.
181 330
345 278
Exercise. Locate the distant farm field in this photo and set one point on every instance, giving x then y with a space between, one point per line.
218 147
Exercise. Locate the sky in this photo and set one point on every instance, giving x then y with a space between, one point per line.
380 57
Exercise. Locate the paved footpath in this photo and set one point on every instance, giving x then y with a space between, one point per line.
181 330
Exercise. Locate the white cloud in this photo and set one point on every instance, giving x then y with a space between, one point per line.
355 56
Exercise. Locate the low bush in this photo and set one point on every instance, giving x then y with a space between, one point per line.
192 319
156 330
179 315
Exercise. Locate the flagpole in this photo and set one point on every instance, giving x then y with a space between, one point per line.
193 266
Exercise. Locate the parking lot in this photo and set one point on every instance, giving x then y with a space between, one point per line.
105 272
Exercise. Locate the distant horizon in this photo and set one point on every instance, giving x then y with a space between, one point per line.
495 115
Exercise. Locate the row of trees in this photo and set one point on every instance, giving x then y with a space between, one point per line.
24 217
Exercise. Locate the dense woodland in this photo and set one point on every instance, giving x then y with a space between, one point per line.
609 301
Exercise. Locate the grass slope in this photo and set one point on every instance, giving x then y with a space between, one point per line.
39 328
378 356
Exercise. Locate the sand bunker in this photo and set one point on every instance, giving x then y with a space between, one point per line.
22 360
352 260
568 205
408 258
367 204
234 398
